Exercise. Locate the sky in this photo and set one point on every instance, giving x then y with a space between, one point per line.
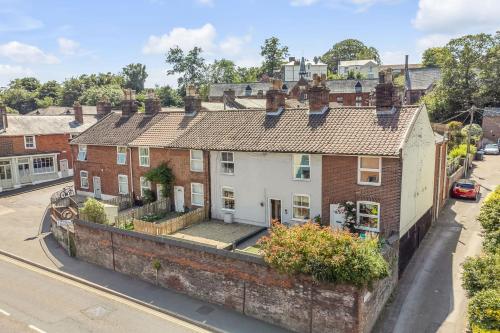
56 39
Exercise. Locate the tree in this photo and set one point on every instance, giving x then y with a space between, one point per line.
191 66
72 89
435 56
224 71
348 49
274 54
93 211
19 99
50 89
489 76
91 96
30 84
169 96
249 74
135 75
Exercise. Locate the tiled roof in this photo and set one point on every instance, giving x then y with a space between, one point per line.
354 130
423 78
117 130
63 110
38 125
491 112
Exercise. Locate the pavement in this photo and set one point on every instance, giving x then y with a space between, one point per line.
26 233
429 297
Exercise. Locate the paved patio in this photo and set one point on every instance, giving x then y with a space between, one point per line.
217 233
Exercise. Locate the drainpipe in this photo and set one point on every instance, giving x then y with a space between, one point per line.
131 184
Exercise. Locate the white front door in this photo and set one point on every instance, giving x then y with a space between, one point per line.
97 187
179 198
64 168
337 219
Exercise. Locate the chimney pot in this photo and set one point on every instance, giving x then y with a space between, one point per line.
77 108
192 102
319 96
275 98
386 95
103 107
152 104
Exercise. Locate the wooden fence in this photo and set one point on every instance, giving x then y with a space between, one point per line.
172 225
128 216
123 201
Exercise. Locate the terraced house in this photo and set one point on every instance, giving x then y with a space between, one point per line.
290 165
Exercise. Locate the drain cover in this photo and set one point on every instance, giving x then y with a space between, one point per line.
205 309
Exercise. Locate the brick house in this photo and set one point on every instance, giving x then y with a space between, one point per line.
491 125
35 149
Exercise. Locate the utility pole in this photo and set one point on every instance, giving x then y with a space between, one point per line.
471 111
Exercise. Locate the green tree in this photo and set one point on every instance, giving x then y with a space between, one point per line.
50 89
191 66
135 75
249 74
72 89
91 96
435 56
489 76
274 55
348 49
19 99
223 71
29 84
93 211
169 96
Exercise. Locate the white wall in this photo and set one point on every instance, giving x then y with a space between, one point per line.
365 70
417 188
258 177
292 71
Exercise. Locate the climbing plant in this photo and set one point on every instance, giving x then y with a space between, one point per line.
163 175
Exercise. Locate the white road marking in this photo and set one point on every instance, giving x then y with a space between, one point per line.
36 329
5 313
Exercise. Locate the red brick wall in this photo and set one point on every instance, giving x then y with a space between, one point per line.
440 190
51 143
339 184
491 128
350 98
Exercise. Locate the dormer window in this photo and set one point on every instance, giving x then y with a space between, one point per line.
358 88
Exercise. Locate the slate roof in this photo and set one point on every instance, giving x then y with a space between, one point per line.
423 78
63 110
115 130
40 125
347 86
346 130
491 112
347 63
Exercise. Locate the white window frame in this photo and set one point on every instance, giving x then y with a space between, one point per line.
358 101
142 181
32 144
82 153
202 194
123 179
118 155
192 160
52 170
294 206
84 177
379 170
224 198
222 162
358 215
294 166
146 157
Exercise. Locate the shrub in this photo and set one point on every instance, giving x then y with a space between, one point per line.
326 255
93 211
489 218
162 175
461 151
481 273
484 310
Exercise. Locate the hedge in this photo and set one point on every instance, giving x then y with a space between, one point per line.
481 273
484 310
324 254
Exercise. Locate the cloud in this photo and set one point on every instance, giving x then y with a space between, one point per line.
393 57
12 21
208 3
184 38
300 3
433 40
24 53
68 46
457 16
234 45
9 72
357 5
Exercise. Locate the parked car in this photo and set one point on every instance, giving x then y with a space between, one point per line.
465 188
491 149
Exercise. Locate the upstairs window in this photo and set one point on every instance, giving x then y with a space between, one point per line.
29 142
227 163
144 156
82 153
301 167
369 170
196 157
121 155
368 217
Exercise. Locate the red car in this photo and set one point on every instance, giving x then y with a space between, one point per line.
465 188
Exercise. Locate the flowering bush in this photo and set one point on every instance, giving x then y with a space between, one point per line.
484 310
93 211
326 255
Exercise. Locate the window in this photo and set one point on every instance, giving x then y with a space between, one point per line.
369 170
121 155
145 185
122 184
43 165
227 198
84 179
358 88
197 194
144 156
301 167
359 101
248 91
340 100
82 153
196 160
227 163
301 207
368 217
29 142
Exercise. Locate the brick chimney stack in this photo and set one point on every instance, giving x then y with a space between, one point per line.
318 94
386 94
103 107
129 104
77 108
152 104
275 98
192 101
3 117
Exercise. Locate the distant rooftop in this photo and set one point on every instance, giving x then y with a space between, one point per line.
42 125
346 63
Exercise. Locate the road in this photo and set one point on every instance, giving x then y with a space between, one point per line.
33 300
429 297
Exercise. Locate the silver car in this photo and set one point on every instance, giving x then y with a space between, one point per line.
491 149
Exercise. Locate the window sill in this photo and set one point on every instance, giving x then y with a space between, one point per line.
299 220
302 179
201 205
227 174
198 171
369 184
368 229
228 210
30 148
